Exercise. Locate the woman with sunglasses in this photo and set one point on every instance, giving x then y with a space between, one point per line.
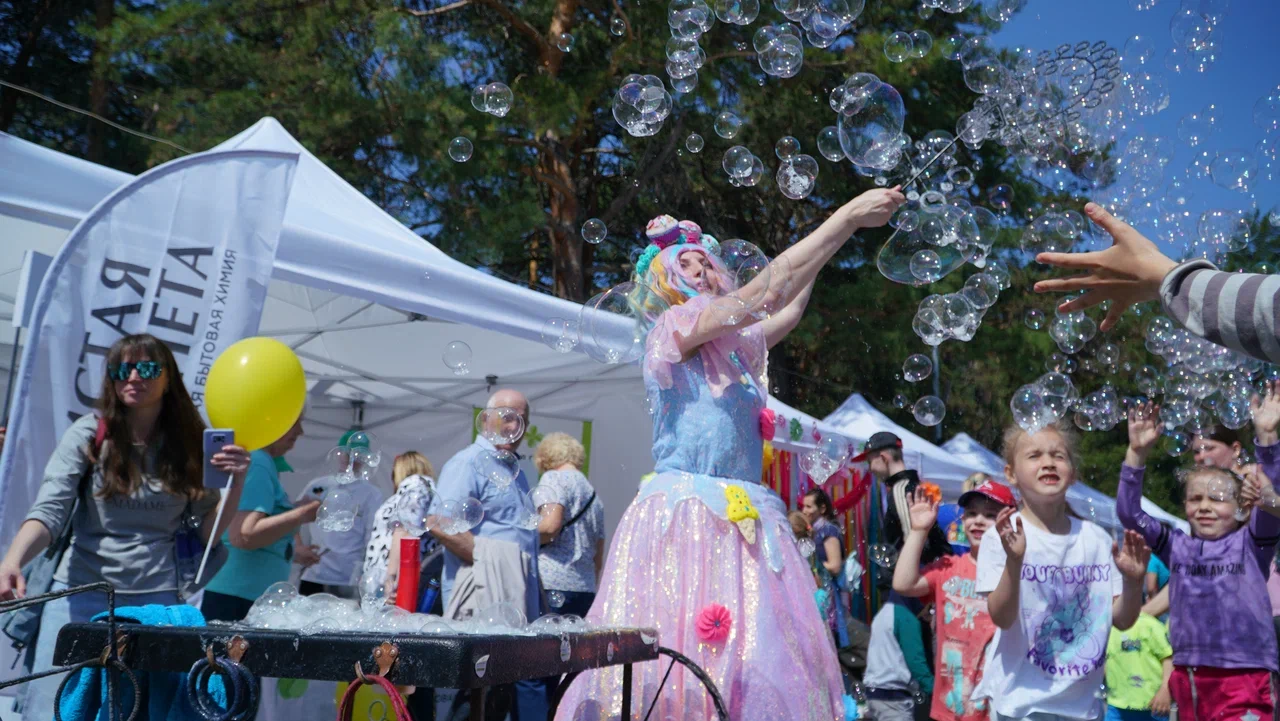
143 483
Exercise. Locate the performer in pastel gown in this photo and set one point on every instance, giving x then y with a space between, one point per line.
705 553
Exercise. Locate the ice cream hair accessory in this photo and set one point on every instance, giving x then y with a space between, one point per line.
665 231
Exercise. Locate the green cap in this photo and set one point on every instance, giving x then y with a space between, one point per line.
346 439
282 465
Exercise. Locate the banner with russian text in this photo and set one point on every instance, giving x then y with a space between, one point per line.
183 252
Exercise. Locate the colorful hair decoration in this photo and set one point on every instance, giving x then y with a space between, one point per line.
665 231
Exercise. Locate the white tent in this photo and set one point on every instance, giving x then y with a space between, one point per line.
858 419
369 306
1086 501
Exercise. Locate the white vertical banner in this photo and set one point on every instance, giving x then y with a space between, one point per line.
183 252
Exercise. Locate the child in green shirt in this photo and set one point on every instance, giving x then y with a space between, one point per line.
1139 663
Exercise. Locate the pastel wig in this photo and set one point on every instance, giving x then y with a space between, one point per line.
663 285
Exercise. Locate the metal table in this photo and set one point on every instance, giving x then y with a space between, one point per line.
467 662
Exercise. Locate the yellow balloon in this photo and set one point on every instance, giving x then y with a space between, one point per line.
256 387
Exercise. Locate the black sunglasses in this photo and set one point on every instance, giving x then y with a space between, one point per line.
147 370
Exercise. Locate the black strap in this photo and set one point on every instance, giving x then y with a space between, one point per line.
578 515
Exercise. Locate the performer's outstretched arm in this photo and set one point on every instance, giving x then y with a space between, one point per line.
777 326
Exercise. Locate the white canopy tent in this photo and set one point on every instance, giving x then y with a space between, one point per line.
1086 501
369 306
857 418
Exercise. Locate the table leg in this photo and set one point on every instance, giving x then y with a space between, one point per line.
477 704
626 692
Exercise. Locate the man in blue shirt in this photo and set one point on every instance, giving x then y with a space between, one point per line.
505 519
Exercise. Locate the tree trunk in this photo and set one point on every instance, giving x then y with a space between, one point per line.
21 70
99 88
568 252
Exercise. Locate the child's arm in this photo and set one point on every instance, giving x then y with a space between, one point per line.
1163 700
1265 527
1002 603
1144 431
1131 560
906 574
1158 605
906 628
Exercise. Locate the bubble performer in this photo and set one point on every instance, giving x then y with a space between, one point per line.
1220 625
705 554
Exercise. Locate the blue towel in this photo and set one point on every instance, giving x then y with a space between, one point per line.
164 694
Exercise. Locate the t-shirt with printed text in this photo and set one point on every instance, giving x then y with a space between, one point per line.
1051 659
963 631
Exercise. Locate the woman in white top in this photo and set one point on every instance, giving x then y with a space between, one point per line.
571 527
412 477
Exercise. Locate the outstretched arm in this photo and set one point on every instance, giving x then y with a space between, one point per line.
1265 527
1224 308
1144 431
907 578
780 324
796 267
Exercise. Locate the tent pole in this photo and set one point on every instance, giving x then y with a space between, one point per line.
13 371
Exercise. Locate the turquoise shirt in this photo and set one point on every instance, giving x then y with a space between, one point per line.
247 573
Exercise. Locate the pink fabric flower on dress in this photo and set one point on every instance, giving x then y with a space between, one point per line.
713 623
768 423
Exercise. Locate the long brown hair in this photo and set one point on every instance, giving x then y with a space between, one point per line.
178 431
823 502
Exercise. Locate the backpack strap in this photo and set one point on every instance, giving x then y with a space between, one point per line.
578 515
100 435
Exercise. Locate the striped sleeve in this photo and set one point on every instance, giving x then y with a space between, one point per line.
1238 310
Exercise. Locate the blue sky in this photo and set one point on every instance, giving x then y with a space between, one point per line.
1247 67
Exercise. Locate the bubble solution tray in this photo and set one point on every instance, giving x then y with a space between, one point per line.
458 661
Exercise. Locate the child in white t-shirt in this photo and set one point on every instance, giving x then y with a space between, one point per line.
1055 585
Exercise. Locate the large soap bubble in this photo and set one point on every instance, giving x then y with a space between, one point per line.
641 104
870 122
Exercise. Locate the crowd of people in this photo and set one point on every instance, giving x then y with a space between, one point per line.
1043 615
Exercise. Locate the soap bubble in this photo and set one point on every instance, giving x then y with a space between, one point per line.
900 401
1139 49
1029 409
883 555
460 149
500 425
727 125
1001 198
950 47
457 356
594 231
694 143
898 47
612 328
1002 10
617 26
560 334
737 162
929 411
825 460
738 12
1234 169
1195 127
1225 229
1266 111
494 98
870 125
786 147
829 144
337 512
926 265
921 43
917 367
502 615
564 42
797 176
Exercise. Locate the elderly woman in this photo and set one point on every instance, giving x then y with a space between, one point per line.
571 527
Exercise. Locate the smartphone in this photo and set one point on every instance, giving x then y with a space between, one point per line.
214 440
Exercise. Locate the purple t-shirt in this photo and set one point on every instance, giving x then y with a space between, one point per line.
1219 614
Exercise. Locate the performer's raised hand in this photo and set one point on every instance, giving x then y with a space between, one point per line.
875 207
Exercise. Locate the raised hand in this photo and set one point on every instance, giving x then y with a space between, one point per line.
923 511
1133 556
875 207
231 459
1012 537
1144 431
1128 272
1266 412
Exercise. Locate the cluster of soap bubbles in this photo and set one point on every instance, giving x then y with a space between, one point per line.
684 58
822 20
1195 127
797 173
934 237
779 50
1053 232
742 166
494 98
870 118
900 46
958 315
641 104
825 459
457 357
1195 34
355 461
282 608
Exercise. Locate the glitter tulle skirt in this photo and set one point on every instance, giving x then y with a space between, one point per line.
672 556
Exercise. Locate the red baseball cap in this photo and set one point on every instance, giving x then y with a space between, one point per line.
998 492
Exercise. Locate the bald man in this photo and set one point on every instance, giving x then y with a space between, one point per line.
504 516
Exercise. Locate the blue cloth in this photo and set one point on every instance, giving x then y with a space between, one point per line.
247 573
1157 567
164 693
505 512
1120 714
850 708
951 521
695 432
